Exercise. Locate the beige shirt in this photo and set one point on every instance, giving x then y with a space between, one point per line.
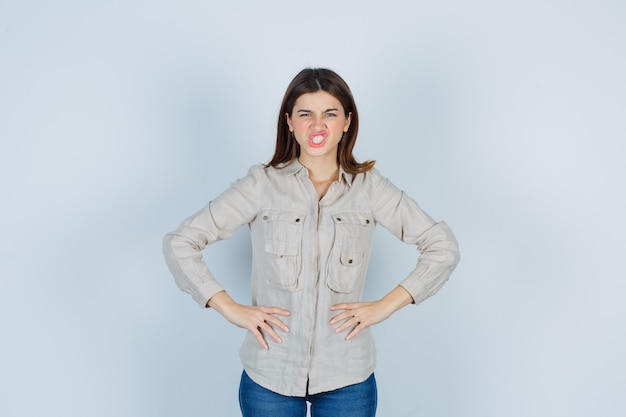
306 256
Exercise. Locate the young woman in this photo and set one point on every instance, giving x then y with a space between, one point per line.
311 211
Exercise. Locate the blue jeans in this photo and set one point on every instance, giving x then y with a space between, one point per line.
358 400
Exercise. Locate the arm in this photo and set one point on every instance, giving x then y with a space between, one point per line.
219 220
439 255
437 245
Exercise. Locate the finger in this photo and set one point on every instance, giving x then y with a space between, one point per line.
354 326
347 314
259 337
352 321
277 322
267 328
343 316
276 310
355 331
342 306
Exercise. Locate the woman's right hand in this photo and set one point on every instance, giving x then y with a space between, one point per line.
256 319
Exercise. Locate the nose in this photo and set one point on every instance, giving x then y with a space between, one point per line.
318 122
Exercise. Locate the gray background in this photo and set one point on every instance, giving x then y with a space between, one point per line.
506 119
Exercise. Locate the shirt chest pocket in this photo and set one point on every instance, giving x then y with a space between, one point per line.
349 256
283 247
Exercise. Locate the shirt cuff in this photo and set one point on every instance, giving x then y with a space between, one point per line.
205 292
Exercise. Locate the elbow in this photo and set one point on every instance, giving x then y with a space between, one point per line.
450 245
168 250
167 245
455 254
442 244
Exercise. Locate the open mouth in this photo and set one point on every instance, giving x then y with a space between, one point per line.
317 139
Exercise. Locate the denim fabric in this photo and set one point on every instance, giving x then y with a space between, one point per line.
357 400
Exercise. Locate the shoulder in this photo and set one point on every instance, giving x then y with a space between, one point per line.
256 170
254 179
279 172
372 178
261 175
262 171
378 188
374 174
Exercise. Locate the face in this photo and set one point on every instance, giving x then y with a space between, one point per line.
318 122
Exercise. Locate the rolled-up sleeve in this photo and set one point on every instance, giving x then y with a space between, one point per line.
438 248
218 220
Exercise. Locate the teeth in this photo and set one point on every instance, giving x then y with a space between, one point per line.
317 139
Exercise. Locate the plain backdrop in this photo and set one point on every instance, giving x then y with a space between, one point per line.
506 119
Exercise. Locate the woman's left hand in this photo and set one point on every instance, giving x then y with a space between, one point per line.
358 316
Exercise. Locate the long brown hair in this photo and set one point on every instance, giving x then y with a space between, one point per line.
310 80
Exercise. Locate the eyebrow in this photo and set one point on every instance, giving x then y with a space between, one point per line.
311 111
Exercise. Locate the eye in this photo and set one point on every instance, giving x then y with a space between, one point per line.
305 114
331 115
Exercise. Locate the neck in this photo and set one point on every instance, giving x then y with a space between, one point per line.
322 169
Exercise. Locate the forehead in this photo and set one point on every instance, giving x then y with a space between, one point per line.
319 100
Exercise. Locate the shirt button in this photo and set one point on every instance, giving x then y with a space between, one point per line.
264 217
297 220
338 219
349 261
367 221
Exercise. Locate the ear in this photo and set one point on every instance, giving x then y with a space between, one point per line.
346 126
288 119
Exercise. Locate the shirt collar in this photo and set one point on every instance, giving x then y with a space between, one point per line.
293 167
347 177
